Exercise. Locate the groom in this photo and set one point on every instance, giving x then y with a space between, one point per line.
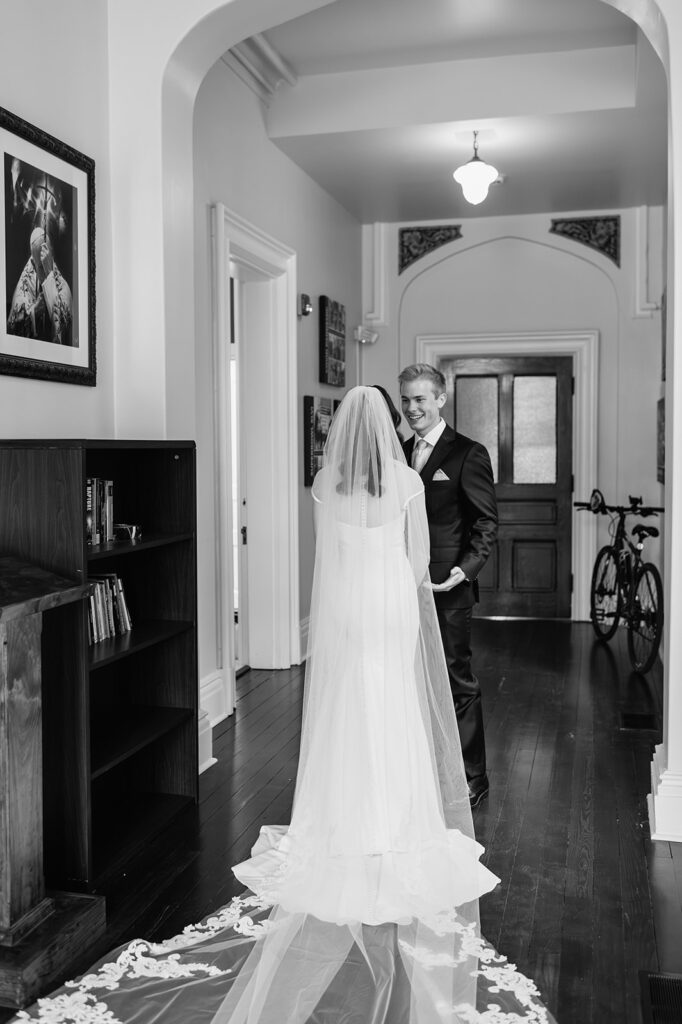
462 514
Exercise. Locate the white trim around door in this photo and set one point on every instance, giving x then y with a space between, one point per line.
271 429
583 346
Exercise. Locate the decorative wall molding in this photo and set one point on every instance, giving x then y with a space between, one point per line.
645 306
259 66
415 242
583 346
599 233
374 276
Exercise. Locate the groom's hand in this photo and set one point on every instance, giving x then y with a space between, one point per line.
454 579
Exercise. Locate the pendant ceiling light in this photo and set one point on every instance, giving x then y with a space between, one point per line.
475 177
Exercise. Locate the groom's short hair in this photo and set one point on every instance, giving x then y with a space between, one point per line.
424 371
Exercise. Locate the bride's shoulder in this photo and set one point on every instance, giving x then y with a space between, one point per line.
320 483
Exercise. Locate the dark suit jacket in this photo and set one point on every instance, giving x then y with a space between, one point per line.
462 512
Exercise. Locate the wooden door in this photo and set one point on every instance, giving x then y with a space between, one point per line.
520 408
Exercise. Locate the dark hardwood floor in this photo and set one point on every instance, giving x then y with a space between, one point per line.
586 898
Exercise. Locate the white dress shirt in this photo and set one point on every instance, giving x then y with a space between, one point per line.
422 457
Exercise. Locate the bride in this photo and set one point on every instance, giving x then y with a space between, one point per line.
364 908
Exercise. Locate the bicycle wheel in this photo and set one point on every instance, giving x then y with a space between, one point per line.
605 594
646 618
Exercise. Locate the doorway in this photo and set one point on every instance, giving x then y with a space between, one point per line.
256 452
240 573
521 409
582 347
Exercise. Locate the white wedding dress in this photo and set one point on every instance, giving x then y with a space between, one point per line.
364 909
367 840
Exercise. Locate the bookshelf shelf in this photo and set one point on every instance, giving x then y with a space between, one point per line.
115 742
119 547
142 635
119 716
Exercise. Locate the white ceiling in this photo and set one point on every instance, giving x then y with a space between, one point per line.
377 101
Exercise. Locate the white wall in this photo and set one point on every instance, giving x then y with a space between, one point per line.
53 74
236 164
511 275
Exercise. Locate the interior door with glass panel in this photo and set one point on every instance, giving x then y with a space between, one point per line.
520 408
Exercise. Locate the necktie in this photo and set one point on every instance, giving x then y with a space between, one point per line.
420 454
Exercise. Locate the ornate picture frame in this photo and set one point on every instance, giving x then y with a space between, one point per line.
47 256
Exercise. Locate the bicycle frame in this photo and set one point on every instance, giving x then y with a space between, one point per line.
625 588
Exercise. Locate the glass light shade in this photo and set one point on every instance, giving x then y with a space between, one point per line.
476 177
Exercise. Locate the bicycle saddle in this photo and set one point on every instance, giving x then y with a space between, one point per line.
641 530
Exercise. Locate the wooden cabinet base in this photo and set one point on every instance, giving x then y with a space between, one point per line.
56 947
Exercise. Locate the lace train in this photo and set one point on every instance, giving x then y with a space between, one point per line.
185 979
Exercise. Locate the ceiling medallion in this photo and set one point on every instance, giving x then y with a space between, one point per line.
600 233
413 243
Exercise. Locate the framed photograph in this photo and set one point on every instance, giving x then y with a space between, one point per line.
317 418
660 441
332 342
47 256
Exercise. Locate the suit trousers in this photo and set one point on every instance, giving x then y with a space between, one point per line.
455 629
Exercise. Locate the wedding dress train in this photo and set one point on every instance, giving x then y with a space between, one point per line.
364 909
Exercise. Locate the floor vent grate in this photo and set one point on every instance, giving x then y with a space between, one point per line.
661 997
634 720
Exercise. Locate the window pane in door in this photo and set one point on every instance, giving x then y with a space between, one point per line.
534 419
476 413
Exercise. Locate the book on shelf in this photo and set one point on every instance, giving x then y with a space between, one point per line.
108 614
99 510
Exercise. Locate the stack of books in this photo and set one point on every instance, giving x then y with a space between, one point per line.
99 510
108 614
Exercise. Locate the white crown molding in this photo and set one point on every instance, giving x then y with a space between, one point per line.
259 66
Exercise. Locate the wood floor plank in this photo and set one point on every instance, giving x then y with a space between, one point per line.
587 899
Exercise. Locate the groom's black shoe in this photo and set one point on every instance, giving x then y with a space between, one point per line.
478 790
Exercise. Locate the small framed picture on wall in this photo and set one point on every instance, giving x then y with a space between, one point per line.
332 342
317 418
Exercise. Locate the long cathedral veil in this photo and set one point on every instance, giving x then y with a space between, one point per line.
364 910
380 902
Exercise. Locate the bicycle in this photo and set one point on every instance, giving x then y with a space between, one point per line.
623 586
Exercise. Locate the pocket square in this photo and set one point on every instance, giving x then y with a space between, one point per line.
440 475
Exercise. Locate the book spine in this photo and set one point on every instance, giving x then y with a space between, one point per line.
109 509
96 530
88 510
124 608
92 606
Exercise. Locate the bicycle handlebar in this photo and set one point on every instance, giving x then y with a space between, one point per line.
632 509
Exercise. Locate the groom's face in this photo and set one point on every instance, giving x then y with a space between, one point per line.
421 404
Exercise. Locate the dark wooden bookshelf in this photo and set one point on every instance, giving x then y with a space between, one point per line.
120 716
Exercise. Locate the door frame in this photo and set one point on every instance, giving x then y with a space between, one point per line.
273 563
583 347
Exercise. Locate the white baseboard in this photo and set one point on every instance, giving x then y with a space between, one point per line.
206 758
213 698
665 800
